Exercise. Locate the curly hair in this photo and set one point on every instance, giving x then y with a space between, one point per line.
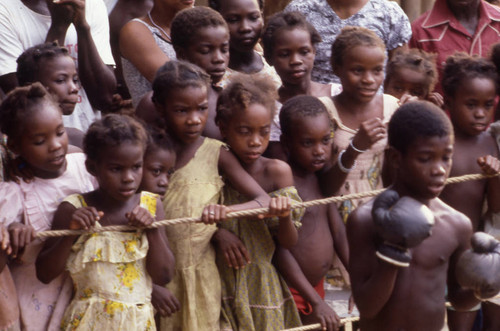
298 107
111 131
416 60
177 74
350 37
29 62
158 139
289 21
462 66
245 90
417 119
19 106
188 22
217 4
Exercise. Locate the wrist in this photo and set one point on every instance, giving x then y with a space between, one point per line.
83 27
342 166
358 150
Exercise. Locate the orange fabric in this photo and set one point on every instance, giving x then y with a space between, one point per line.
303 306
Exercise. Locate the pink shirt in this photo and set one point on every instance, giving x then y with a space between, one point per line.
438 31
41 305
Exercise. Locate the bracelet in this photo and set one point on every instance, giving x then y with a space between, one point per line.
356 149
260 203
341 166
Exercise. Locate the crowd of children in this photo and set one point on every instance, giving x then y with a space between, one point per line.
221 125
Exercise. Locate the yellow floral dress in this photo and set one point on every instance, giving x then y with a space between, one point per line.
112 286
256 298
196 283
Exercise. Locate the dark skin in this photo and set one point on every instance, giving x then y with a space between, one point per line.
395 298
467 13
5 248
96 77
322 232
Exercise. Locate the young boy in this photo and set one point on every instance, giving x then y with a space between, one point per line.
388 295
306 138
469 84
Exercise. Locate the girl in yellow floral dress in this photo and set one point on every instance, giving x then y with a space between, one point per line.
113 272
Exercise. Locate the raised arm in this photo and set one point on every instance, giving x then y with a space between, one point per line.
242 182
372 279
97 78
139 47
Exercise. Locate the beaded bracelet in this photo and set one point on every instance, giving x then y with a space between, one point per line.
341 166
356 149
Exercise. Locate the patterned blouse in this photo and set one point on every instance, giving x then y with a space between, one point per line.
383 17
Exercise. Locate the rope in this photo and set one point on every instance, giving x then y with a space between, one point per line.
242 213
317 326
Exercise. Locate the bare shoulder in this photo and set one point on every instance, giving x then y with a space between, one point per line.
133 32
279 171
361 217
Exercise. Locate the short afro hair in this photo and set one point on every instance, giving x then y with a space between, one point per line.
298 107
189 21
416 60
158 139
19 106
461 66
112 131
29 62
243 91
217 4
177 74
350 37
417 119
289 21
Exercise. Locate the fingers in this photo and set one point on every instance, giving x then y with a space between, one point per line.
280 206
490 165
140 217
84 218
20 236
214 214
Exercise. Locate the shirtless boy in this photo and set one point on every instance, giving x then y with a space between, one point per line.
306 138
470 85
389 296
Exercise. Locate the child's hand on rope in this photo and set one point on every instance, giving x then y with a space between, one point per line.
140 217
326 316
214 213
234 251
278 207
164 301
490 165
84 218
20 236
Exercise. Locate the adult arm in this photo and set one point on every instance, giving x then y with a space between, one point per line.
372 279
138 45
339 235
97 78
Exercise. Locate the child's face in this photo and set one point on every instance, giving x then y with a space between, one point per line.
210 51
248 132
244 19
472 108
362 72
60 78
310 146
425 166
158 167
405 81
186 112
119 170
44 142
293 55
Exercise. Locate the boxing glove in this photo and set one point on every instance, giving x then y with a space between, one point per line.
479 267
400 223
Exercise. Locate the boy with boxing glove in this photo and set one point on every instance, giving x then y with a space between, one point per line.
405 243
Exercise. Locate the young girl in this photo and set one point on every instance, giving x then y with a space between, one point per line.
200 36
289 43
35 130
180 95
244 19
51 65
113 272
158 167
359 115
412 72
254 296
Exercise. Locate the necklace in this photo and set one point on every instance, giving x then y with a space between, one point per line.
158 27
